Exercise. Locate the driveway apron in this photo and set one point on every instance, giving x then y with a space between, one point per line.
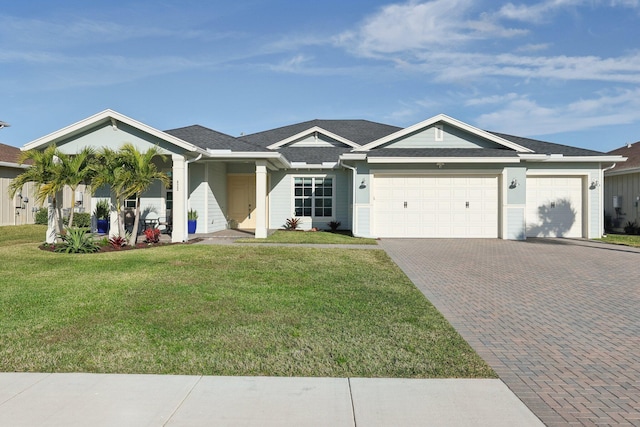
557 319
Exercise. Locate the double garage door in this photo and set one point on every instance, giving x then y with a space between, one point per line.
435 206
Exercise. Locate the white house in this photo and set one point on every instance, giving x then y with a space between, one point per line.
438 178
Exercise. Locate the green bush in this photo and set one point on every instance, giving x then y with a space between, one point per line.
42 216
77 241
80 219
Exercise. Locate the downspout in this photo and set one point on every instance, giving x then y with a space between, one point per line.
353 195
186 193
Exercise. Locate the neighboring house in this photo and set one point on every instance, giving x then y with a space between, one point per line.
622 188
438 178
21 209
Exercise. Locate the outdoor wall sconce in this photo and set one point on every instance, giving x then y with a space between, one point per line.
594 184
514 183
363 184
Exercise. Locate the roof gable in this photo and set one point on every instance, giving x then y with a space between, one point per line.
314 137
442 131
109 119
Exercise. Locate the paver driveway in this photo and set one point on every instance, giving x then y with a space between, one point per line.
558 320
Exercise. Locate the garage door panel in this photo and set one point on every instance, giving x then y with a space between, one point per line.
440 203
554 206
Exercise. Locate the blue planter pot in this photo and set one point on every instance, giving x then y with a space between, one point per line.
191 225
103 226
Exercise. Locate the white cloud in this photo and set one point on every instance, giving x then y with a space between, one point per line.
473 66
526 117
493 99
533 47
421 26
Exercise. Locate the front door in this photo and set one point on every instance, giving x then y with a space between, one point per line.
241 199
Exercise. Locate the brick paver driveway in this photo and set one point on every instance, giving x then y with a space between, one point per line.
558 320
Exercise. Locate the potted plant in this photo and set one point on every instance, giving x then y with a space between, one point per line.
102 216
192 220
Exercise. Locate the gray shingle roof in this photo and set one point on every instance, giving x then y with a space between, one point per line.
632 152
359 131
442 152
313 155
208 138
543 147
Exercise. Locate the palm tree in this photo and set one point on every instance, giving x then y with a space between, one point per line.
104 172
76 170
137 174
46 173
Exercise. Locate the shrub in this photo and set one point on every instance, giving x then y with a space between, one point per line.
631 227
77 241
102 209
152 235
292 223
333 225
42 216
117 242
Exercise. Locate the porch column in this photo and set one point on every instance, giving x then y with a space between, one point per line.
179 211
261 199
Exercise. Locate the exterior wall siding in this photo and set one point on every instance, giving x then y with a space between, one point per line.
9 215
627 187
216 197
515 223
281 199
105 136
197 195
452 138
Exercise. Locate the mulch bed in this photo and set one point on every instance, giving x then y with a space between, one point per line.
139 245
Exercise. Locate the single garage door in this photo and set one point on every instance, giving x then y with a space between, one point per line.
554 206
435 206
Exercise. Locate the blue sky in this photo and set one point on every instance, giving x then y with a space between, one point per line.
565 71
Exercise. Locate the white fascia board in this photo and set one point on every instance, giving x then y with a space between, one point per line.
614 172
303 165
249 155
353 156
309 132
14 165
559 158
450 121
105 116
446 160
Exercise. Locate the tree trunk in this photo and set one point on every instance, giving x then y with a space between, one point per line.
73 205
136 223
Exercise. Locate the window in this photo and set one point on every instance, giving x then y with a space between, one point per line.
313 196
130 202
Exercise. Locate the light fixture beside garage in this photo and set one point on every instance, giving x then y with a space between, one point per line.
363 184
594 184
514 183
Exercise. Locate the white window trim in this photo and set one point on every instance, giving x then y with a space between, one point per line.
439 132
313 216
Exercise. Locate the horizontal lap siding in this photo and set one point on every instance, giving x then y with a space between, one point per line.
217 197
281 199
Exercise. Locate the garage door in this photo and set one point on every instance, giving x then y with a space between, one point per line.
554 206
435 206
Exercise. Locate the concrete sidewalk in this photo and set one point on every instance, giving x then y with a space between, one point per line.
32 399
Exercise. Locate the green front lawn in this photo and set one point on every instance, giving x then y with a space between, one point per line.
622 239
318 237
222 310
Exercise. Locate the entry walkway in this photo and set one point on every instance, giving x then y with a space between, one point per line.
97 400
557 319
